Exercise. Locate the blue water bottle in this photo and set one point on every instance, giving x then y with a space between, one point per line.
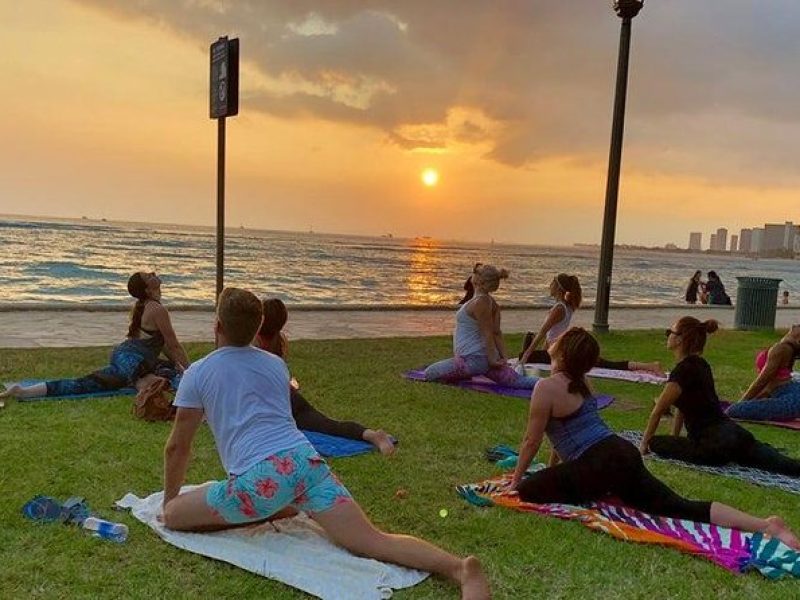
116 532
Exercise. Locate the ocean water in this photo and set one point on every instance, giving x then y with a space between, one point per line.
81 261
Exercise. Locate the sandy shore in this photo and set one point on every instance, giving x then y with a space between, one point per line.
71 328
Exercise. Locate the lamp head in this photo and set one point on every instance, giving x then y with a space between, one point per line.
627 9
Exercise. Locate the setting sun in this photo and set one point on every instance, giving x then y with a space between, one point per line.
430 177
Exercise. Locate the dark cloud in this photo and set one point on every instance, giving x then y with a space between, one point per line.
712 88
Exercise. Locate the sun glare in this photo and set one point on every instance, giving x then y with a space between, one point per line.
430 177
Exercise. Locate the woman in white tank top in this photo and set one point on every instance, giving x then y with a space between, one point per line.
567 292
478 347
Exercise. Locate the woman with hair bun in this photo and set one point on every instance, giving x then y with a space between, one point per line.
150 332
567 292
596 464
712 438
478 346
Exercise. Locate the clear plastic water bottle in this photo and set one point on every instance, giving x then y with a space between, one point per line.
116 532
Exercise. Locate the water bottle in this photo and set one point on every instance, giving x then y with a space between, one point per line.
116 532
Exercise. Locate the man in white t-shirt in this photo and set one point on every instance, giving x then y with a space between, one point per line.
272 469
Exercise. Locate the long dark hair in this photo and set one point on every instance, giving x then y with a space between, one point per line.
571 287
137 287
693 333
578 352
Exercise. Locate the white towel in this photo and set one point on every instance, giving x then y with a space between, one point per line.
294 551
634 376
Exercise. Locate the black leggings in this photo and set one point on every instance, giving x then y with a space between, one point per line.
542 357
309 418
723 443
612 467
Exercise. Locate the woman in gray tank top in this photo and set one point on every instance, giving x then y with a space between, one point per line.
478 346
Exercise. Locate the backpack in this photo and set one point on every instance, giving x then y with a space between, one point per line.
152 403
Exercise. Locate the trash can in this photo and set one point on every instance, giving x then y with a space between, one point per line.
756 303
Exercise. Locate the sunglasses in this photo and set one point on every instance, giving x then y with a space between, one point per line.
669 332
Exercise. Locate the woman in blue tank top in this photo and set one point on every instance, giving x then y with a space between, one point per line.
596 464
478 346
149 334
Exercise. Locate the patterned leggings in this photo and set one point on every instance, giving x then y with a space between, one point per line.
126 366
464 367
784 405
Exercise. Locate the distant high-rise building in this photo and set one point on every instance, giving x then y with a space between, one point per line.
757 240
734 243
775 237
722 239
696 241
745 240
712 242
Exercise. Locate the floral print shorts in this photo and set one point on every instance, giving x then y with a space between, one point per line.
298 477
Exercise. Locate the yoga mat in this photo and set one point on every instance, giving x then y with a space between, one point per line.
105 394
734 550
483 384
293 551
632 376
332 446
748 474
793 424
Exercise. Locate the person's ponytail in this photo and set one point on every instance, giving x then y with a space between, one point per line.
137 287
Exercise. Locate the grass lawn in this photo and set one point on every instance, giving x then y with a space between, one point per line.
97 449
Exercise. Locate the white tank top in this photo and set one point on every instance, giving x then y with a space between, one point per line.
467 337
560 327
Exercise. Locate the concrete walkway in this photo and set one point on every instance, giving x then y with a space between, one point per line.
71 328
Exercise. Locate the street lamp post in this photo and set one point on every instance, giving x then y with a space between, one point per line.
626 10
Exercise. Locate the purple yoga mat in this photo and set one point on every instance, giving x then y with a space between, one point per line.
479 383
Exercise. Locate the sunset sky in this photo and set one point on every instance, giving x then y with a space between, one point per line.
345 103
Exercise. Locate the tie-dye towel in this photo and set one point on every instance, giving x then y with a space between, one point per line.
748 474
731 549
632 376
479 383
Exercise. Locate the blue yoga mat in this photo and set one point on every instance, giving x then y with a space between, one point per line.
106 394
337 447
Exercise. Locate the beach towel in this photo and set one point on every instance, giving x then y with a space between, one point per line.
332 446
293 551
748 474
734 550
632 376
128 391
793 424
479 383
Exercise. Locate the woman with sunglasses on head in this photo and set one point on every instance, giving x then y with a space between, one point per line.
712 437
149 334
595 464
478 346
566 290
774 395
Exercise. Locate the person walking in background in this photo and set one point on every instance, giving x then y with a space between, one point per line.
694 287
785 298
716 290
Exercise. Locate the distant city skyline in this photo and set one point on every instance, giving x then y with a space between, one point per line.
772 239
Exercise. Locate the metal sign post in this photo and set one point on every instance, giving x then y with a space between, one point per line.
223 103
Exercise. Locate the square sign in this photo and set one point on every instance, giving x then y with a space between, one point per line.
224 88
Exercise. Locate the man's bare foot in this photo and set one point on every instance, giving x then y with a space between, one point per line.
11 391
474 585
778 529
380 439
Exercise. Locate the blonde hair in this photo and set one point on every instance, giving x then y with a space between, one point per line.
240 313
490 276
